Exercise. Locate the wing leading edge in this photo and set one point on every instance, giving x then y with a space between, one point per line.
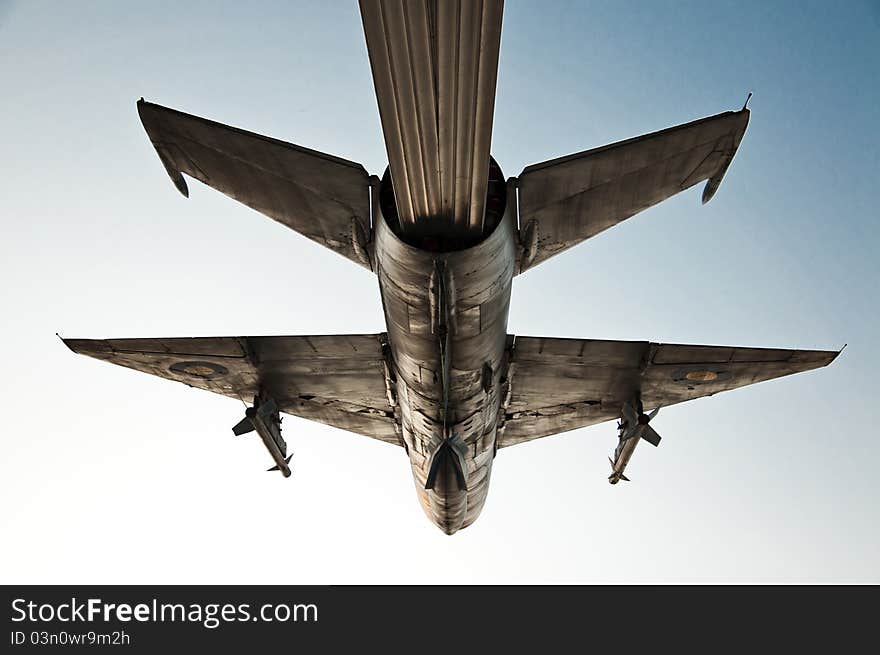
563 384
339 380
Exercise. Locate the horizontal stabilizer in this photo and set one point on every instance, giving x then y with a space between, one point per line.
323 197
567 200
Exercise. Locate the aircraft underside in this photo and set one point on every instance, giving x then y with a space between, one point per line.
445 234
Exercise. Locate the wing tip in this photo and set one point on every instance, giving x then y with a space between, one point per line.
66 342
714 182
708 192
89 347
813 359
172 170
834 354
74 345
179 183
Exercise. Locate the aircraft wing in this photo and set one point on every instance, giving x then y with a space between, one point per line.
337 380
567 200
322 197
563 384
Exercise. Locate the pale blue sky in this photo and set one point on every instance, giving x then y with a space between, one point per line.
113 476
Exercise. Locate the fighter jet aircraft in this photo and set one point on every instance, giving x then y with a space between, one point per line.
445 234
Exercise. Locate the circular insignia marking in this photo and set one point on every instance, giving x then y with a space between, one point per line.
694 376
701 376
201 370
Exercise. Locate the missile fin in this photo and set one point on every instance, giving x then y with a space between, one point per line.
286 460
244 426
650 435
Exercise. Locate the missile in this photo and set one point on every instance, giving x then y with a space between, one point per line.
633 427
264 418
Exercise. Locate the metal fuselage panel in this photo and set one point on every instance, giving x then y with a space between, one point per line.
458 302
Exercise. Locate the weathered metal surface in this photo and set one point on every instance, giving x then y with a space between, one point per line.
567 200
446 315
322 197
435 65
337 380
564 384
446 381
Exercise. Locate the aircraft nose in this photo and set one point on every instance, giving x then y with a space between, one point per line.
443 494
445 508
448 525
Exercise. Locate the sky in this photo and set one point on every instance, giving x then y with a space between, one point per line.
112 476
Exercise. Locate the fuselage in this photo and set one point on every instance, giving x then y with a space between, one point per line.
446 316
